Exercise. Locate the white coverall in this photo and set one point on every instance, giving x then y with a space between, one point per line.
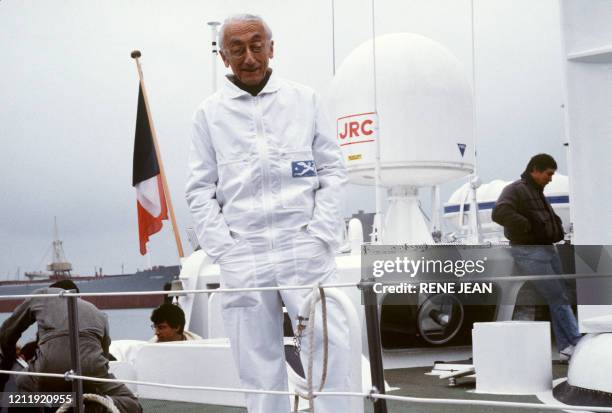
265 191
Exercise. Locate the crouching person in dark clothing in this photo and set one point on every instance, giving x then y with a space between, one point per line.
53 354
532 227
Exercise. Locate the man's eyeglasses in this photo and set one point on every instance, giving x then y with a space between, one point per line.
238 51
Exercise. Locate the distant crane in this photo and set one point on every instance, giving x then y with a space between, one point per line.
59 266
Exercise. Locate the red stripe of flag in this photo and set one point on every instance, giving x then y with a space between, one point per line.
150 198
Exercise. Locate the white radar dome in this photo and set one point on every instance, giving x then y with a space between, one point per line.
424 120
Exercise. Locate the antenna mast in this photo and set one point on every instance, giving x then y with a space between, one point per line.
215 51
376 236
474 236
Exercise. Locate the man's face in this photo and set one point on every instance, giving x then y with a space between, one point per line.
542 178
247 50
165 332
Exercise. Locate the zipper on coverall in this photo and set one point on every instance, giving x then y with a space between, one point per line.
262 148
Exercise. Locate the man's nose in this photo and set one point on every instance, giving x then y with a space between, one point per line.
249 58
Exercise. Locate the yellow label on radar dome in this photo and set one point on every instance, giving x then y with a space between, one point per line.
354 157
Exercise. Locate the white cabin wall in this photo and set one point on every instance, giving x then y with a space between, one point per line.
587 35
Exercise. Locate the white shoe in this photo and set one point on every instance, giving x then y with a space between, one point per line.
566 353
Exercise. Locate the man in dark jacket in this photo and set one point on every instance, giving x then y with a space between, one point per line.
532 227
53 354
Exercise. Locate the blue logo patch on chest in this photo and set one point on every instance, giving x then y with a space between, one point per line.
301 169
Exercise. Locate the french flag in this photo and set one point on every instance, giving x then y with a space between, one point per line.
151 200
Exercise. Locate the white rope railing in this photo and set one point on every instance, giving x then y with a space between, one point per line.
517 278
170 292
71 376
370 395
508 278
311 394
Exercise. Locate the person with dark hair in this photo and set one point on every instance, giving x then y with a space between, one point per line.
522 209
531 225
53 355
540 163
169 324
65 285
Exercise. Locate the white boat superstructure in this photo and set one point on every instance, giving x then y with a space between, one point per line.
403 165
587 48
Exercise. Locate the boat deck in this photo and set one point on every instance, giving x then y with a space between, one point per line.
410 381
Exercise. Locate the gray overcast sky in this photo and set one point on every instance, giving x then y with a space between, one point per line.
68 92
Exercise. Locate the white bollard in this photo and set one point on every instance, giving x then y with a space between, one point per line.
512 357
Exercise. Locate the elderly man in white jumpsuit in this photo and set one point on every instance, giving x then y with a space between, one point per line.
265 191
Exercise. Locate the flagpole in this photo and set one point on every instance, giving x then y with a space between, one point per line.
136 55
215 52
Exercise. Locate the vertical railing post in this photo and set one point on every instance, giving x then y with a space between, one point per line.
75 354
370 303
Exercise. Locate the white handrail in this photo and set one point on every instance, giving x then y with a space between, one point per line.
371 395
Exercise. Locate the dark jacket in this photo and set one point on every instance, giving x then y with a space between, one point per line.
526 215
